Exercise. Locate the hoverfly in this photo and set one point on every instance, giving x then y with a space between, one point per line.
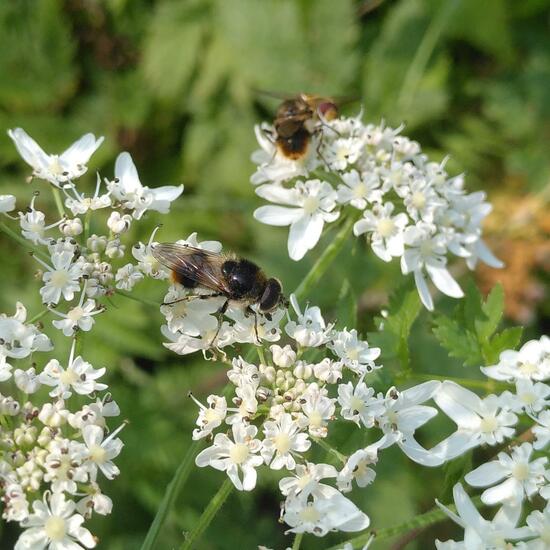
237 279
298 119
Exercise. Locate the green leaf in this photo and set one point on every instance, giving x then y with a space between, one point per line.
457 340
509 338
493 309
455 470
403 309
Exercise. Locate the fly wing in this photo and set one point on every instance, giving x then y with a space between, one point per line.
196 264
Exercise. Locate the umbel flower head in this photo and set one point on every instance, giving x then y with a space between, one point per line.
57 169
410 208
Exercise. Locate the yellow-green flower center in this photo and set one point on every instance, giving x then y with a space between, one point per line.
239 453
55 528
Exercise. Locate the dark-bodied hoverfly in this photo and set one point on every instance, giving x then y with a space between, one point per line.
237 279
298 119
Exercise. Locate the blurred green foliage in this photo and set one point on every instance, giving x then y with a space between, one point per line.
176 84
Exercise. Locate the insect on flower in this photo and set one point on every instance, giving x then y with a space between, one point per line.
237 279
298 119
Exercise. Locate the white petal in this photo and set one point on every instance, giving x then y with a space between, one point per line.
126 172
465 508
444 281
511 489
416 452
420 393
486 474
278 194
487 256
304 235
81 151
456 444
422 288
167 192
277 215
31 152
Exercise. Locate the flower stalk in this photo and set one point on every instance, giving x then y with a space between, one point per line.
170 496
326 258
208 515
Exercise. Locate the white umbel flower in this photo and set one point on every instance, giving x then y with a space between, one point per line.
79 376
306 209
57 169
513 477
479 421
308 512
283 439
101 450
237 458
531 362
478 532
54 525
127 188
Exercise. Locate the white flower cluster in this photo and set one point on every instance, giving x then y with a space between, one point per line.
291 399
79 261
51 453
411 209
513 477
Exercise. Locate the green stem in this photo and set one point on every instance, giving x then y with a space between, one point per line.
322 443
297 541
423 53
38 316
208 515
137 298
435 515
170 496
58 201
326 258
86 232
23 242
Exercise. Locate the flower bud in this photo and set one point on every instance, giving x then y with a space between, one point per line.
25 435
96 244
53 415
303 370
268 373
283 357
71 227
119 224
115 249
45 437
9 406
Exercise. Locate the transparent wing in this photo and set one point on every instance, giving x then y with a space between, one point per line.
196 264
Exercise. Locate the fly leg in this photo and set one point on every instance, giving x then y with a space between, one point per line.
219 316
193 297
248 312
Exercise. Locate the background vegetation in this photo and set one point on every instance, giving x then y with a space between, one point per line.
174 83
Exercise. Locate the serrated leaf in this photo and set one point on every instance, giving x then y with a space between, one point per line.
458 341
403 309
493 308
509 338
